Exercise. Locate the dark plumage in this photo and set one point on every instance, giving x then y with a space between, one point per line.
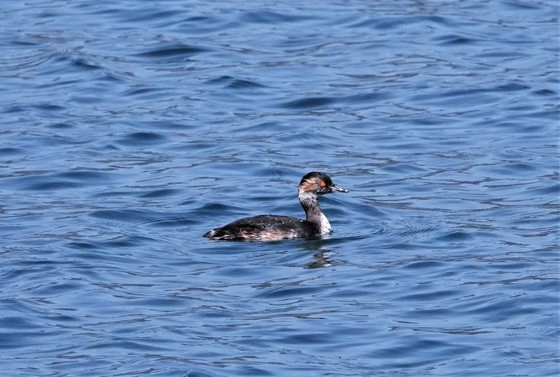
273 227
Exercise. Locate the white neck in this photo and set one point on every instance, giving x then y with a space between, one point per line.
313 213
325 226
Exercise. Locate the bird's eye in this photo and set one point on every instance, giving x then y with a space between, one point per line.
322 184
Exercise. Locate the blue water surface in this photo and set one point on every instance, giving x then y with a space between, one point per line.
130 128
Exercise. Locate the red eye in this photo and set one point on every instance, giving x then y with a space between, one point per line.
322 184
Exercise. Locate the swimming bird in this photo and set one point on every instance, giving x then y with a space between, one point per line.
274 227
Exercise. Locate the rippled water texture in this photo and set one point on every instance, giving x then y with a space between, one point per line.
130 128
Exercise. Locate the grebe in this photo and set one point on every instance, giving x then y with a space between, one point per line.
273 228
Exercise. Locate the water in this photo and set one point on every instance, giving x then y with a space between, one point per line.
129 129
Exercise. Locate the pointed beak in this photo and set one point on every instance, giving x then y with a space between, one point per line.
339 189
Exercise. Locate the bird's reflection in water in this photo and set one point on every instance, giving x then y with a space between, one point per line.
320 259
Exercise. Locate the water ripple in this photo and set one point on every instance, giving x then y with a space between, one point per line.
172 51
129 131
